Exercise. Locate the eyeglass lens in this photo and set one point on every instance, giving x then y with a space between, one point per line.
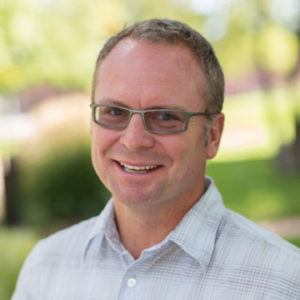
160 120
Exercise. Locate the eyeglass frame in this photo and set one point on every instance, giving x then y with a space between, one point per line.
187 114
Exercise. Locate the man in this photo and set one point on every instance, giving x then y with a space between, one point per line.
157 100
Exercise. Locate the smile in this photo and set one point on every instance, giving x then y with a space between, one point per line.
138 169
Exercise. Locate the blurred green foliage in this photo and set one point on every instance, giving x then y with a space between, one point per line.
295 241
57 41
61 187
15 245
255 128
256 188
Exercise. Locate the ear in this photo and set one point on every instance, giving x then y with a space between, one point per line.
214 135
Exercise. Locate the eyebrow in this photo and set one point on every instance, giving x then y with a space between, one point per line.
111 101
120 103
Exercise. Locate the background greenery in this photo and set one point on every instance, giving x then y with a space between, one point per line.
15 244
61 187
256 189
52 43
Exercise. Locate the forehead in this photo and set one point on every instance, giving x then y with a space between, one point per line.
137 68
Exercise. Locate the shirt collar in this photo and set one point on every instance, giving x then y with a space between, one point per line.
104 226
195 234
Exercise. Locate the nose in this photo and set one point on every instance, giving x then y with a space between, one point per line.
135 137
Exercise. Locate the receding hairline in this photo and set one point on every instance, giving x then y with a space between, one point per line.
180 43
172 32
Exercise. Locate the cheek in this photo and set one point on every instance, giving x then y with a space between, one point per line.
96 161
179 151
192 155
102 140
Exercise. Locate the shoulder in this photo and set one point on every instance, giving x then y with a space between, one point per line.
255 248
69 237
68 245
50 257
250 253
69 242
247 231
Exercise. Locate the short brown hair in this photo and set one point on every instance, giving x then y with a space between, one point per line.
174 32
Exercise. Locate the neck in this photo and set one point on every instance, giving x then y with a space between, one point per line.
143 227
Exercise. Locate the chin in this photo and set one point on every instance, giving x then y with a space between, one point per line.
135 198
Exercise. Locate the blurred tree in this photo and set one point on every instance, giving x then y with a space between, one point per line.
267 59
258 43
275 54
12 215
289 156
57 41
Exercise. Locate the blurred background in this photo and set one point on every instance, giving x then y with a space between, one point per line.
48 50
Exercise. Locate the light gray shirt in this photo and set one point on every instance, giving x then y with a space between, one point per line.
213 253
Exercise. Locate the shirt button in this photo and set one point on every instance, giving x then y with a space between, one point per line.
131 282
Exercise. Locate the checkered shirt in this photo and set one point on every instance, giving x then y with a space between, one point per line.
213 253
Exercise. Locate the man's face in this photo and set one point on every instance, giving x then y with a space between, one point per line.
142 75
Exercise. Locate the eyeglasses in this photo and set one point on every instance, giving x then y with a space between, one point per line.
155 120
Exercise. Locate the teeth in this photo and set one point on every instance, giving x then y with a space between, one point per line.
136 168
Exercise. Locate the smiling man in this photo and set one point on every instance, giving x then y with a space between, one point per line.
155 177
165 234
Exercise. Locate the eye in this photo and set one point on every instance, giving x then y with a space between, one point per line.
166 116
171 116
116 111
109 112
